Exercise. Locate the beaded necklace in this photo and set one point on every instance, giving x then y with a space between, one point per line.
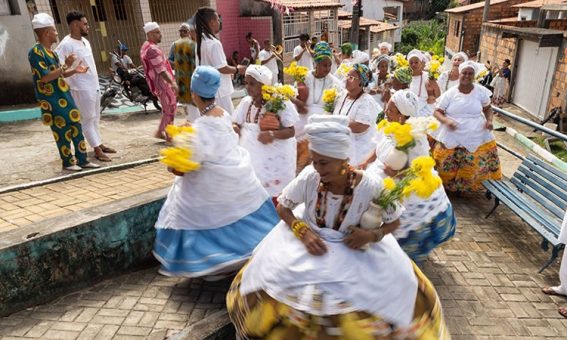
321 205
351 105
256 117
208 108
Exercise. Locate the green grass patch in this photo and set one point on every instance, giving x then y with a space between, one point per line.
557 147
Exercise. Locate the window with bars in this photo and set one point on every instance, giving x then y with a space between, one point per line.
99 12
457 28
55 11
119 10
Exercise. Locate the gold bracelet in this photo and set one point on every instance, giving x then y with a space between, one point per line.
299 228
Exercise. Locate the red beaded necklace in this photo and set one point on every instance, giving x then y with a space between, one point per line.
321 205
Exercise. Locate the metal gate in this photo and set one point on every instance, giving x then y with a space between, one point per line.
534 74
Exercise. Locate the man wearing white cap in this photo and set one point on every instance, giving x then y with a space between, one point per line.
52 92
160 76
84 87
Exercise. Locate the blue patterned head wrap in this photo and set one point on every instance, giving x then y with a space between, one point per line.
322 51
364 73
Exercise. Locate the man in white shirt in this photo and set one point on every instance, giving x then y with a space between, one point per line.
302 53
85 88
269 58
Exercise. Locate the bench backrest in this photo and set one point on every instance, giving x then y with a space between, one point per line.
544 183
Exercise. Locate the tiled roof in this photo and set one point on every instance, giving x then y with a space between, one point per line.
462 9
375 25
306 4
539 3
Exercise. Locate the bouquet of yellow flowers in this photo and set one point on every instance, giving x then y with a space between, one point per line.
344 69
274 98
433 67
180 155
297 72
404 136
400 60
329 97
418 178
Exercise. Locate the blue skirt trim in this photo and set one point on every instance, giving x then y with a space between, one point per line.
194 253
420 242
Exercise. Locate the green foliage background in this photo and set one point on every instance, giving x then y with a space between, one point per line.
425 36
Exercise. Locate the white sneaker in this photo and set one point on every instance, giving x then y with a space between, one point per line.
90 165
73 168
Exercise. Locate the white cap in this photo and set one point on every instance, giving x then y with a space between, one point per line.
261 73
150 26
42 20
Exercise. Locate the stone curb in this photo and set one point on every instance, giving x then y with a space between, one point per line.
78 175
216 326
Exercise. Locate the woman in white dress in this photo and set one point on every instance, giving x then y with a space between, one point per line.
449 79
425 223
316 82
426 89
380 87
210 52
215 216
317 275
273 152
361 110
466 153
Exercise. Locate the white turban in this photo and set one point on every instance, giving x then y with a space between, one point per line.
150 26
385 44
42 20
406 101
329 136
359 57
477 67
261 73
417 54
463 55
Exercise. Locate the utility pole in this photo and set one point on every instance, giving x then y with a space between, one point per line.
355 26
486 9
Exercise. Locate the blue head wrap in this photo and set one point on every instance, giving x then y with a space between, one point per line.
364 73
322 52
205 81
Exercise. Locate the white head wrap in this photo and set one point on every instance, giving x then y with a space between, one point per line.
42 20
185 26
406 101
329 136
359 57
385 44
417 54
463 55
375 52
261 73
150 26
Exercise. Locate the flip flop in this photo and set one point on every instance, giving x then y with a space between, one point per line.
563 311
106 149
551 291
103 158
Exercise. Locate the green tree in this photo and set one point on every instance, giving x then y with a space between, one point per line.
424 36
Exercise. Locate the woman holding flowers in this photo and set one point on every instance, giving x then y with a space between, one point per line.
318 275
318 99
216 211
450 79
466 152
425 222
361 110
424 86
265 119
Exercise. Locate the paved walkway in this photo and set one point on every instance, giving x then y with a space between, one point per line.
20 208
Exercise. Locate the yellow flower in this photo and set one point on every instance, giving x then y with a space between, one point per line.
286 90
179 157
441 60
383 123
389 183
329 95
433 125
266 96
422 165
400 132
297 72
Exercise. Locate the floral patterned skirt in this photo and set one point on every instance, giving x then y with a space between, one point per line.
462 170
259 316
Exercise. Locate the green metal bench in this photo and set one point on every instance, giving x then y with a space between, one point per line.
537 193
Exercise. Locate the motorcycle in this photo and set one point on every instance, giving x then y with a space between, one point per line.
132 85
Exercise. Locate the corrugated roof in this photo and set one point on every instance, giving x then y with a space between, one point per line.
539 3
467 8
305 4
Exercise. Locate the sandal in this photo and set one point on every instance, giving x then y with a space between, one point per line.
563 311
102 157
106 149
551 291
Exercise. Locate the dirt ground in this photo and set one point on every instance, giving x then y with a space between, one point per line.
29 152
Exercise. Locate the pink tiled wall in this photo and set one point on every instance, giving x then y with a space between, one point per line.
235 27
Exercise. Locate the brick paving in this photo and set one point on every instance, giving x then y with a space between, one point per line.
20 208
486 277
